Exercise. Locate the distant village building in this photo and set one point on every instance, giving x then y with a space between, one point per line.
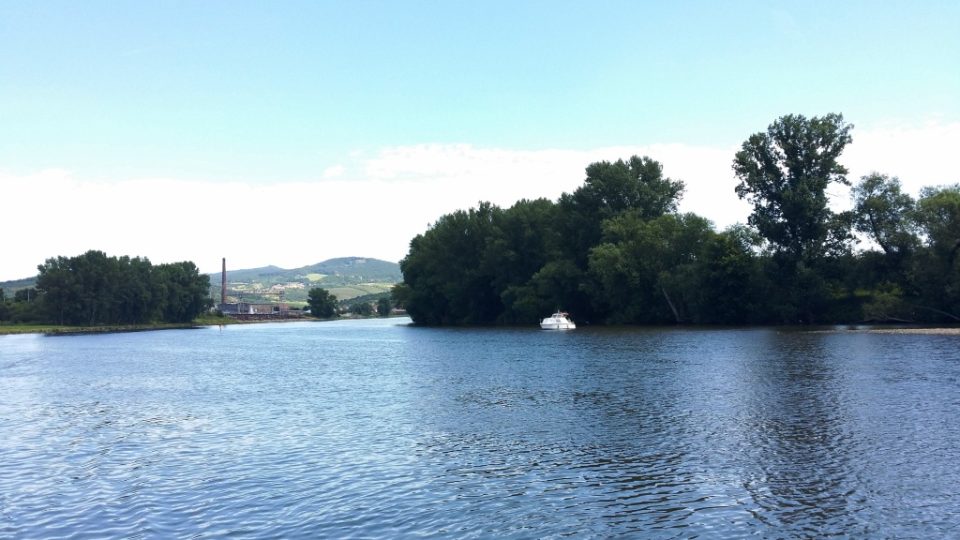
249 310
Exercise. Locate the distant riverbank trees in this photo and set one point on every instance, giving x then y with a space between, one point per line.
95 289
616 250
323 305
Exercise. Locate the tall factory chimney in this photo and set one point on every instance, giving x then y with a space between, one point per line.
223 283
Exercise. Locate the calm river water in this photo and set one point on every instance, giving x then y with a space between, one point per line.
376 429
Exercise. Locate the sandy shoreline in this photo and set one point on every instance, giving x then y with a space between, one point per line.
928 331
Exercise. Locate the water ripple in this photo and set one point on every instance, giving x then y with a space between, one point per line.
370 429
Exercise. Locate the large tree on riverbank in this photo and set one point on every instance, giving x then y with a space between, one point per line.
937 269
93 288
490 265
785 173
323 305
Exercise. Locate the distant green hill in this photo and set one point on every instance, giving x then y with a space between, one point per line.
12 286
344 277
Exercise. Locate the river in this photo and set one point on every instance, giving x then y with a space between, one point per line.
378 429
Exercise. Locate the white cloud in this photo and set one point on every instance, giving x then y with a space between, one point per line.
467 175
288 224
375 212
920 155
335 171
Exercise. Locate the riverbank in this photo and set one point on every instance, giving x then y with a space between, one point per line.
57 330
54 330
954 331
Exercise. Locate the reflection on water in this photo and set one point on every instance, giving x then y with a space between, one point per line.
797 437
379 429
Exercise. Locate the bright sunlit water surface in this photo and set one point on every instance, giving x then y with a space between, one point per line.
378 429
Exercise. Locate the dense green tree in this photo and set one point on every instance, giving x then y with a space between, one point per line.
92 289
449 280
60 291
79 289
25 312
636 185
616 250
938 214
785 173
362 309
644 267
4 309
730 285
563 284
399 294
885 214
384 306
27 294
323 305
490 265
888 303
139 291
184 291
936 271
523 239
526 238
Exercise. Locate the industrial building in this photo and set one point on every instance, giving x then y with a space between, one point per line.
249 310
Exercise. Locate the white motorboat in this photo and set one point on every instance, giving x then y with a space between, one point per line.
558 321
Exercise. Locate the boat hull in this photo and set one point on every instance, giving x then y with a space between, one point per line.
557 325
557 321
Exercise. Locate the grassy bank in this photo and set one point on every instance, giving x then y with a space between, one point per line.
206 320
57 330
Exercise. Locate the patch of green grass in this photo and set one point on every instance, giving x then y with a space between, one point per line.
315 277
7 329
348 292
211 320
53 329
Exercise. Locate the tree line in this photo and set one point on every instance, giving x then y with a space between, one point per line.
324 305
616 250
94 289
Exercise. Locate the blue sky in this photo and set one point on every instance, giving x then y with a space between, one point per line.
275 99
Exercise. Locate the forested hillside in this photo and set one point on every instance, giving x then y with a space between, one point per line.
617 251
